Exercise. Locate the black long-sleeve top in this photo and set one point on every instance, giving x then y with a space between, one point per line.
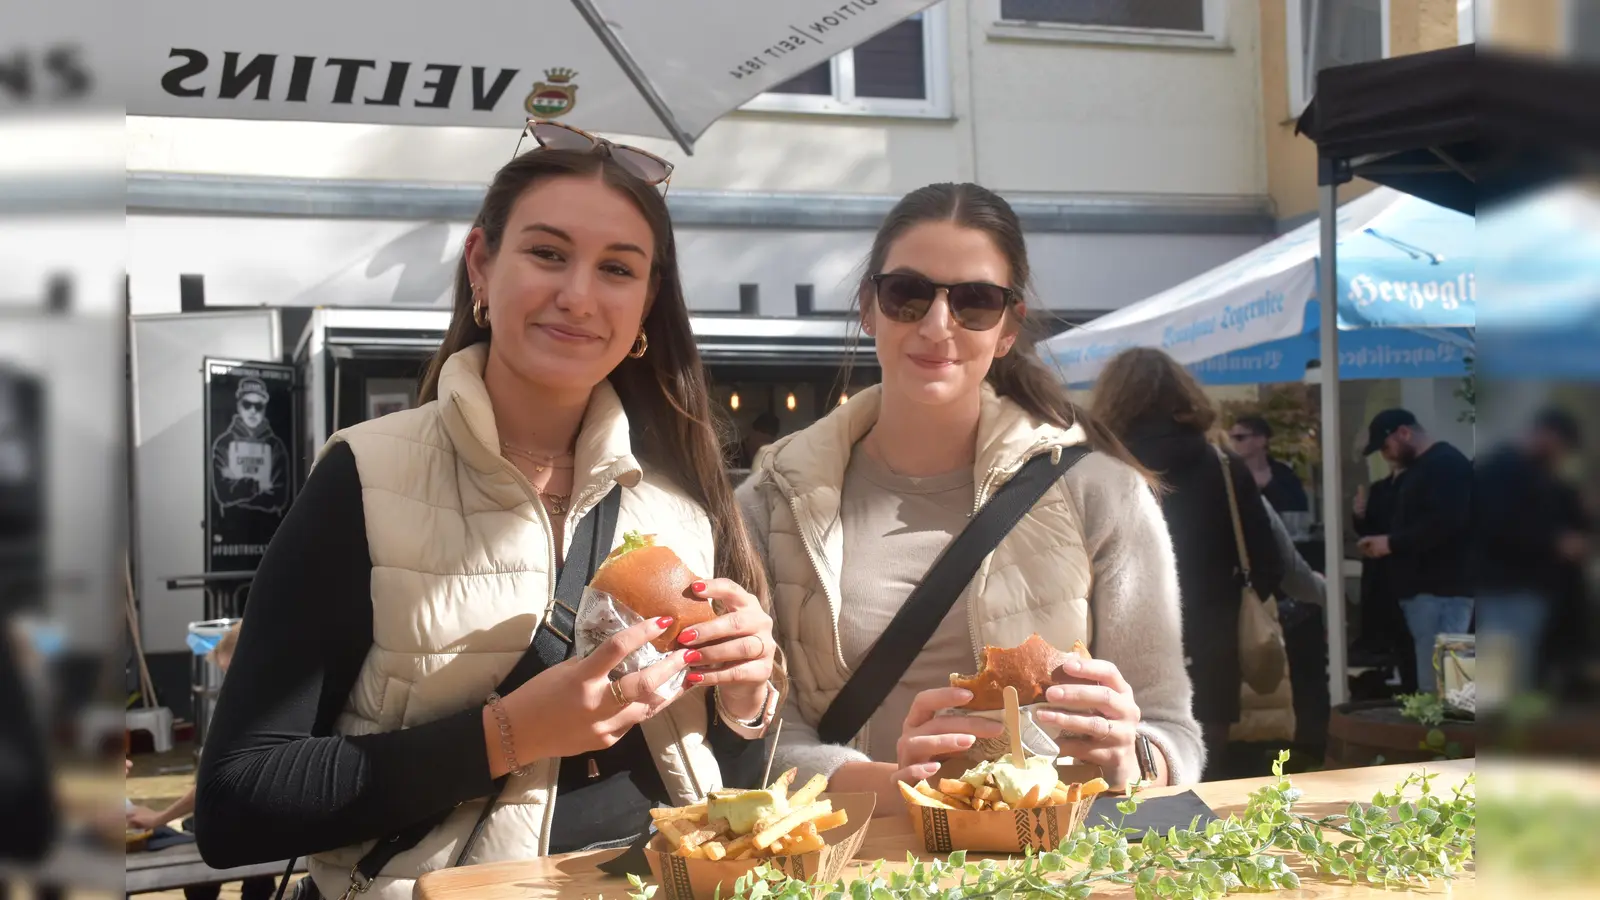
1429 536
275 781
1194 501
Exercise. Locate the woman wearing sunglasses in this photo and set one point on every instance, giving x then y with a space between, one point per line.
852 512
422 558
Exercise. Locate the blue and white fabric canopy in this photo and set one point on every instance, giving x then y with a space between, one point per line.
1540 267
1403 264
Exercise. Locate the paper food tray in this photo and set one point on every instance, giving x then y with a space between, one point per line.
697 879
940 831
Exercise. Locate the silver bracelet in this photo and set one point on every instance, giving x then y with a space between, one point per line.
506 743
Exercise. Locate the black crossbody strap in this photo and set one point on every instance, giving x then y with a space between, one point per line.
552 643
919 617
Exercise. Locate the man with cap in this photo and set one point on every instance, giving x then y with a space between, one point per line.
250 465
1428 544
1527 546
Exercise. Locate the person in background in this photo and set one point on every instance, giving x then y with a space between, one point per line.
29 812
1524 541
1430 534
763 431
1161 414
256 888
1384 633
854 509
1301 583
1277 482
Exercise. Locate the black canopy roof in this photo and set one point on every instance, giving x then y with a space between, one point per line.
1454 126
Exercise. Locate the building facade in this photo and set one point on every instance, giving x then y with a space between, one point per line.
1131 145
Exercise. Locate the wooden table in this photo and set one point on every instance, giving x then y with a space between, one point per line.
574 875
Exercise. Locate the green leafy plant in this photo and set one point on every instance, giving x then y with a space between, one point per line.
1543 835
1423 709
1441 745
1410 836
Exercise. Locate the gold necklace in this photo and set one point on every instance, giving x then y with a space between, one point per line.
540 461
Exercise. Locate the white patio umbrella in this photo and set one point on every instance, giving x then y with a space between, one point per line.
644 67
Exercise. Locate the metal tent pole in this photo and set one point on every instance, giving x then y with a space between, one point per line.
586 8
1332 442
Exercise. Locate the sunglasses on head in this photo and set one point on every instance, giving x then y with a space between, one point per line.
975 305
646 166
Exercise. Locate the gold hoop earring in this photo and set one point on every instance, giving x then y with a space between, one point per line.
480 314
639 346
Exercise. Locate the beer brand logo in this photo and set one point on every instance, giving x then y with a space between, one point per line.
554 98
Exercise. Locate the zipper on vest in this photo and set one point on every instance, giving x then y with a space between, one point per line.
980 497
550 583
835 608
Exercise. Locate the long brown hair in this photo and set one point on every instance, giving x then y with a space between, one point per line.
664 393
1020 375
1144 382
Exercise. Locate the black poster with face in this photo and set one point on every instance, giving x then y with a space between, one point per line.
250 426
22 498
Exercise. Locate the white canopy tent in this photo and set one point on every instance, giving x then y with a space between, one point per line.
640 67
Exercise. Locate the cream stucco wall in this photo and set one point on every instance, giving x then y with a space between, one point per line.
1291 160
1529 26
1045 116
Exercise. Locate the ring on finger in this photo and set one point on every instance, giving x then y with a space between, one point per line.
616 694
1106 732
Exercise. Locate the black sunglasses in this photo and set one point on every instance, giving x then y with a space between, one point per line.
253 405
646 166
975 305
1242 435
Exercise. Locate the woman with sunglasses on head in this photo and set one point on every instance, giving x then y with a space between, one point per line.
852 511
421 560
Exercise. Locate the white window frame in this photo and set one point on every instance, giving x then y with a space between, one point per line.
1466 20
1214 37
1295 52
844 102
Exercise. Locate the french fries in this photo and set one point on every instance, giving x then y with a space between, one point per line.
796 830
955 794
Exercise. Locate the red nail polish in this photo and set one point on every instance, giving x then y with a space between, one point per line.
664 622
694 678
688 636
693 656
699 587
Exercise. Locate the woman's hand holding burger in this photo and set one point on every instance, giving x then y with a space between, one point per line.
1103 721
733 651
575 707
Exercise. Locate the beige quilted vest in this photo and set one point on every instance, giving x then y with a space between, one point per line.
462 573
1037 581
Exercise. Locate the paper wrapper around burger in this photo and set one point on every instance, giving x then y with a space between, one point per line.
699 879
639 580
1031 667
602 616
